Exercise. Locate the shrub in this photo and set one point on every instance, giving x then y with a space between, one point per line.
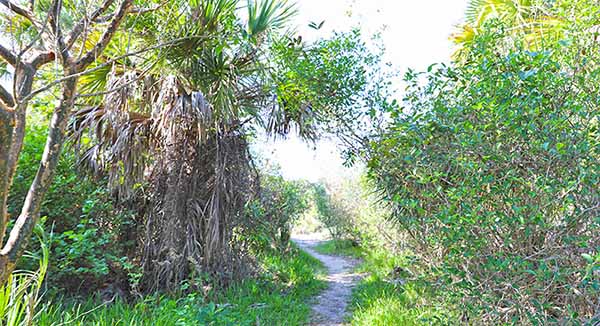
333 212
349 211
87 243
492 168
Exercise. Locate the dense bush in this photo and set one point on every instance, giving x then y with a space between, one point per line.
492 167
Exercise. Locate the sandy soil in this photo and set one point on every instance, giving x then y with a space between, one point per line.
330 306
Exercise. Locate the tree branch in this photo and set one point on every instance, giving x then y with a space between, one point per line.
42 58
54 19
30 212
101 66
89 57
78 29
7 55
18 10
6 97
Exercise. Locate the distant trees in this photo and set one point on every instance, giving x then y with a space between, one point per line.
279 204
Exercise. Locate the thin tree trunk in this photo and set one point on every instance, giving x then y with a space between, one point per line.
7 122
12 133
13 129
29 216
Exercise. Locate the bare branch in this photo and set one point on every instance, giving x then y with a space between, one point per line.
136 11
6 97
7 55
41 35
78 29
59 41
103 65
42 58
18 10
89 57
141 11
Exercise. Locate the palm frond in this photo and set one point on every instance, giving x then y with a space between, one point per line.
264 15
522 17
213 12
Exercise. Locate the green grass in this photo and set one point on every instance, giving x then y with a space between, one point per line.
379 301
339 247
279 297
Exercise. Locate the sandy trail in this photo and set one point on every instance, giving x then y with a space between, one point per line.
330 308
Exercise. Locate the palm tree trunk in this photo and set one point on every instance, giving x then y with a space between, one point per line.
200 185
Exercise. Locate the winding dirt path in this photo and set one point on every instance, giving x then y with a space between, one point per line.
330 308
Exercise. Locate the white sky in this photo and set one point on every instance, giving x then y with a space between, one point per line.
415 34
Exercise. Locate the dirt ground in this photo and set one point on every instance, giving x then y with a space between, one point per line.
331 304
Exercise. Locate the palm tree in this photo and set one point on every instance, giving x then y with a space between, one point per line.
170 128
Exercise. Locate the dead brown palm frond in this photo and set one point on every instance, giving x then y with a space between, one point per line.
281 120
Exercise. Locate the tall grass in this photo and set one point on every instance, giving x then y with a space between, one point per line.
20 296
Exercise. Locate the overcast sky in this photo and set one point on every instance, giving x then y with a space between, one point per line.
415 34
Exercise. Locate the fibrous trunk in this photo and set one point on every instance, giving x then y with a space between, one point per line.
201 179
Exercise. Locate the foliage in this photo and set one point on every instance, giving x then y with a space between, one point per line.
334 215
492 168
529 20
392 295
277 298
279 205
331 86
349 210
81 218
339 247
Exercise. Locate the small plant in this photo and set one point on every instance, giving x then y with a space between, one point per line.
20 296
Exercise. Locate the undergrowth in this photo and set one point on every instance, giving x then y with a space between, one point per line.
278 297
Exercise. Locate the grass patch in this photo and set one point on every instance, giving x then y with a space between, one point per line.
381 299
279 297
340 247
391 295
